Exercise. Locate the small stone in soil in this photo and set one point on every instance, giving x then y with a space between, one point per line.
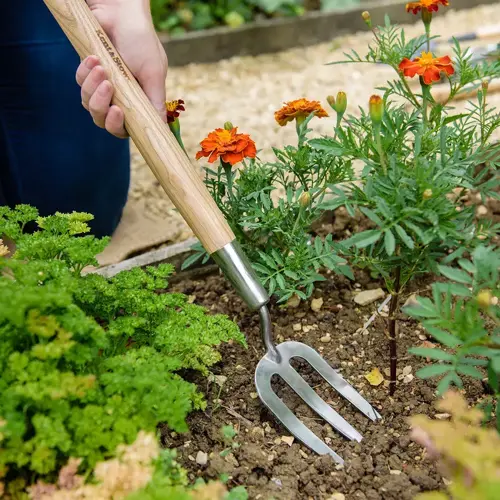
316 304
369 296
297 327
336 496
442 416
293 301
201 458
481 211
288 440
254 395
407 370
326 339
408 378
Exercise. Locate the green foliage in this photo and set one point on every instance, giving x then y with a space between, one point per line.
179 16
463 315
272 206
468 453
87 362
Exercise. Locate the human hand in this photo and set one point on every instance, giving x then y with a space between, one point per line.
129 25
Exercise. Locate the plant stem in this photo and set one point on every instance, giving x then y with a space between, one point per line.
428 35
378 143
229 177
393 308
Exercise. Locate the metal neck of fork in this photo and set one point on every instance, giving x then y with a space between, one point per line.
266 329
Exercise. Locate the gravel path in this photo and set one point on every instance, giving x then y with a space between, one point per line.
247 91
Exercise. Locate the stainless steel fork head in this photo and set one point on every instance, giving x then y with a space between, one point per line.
277 362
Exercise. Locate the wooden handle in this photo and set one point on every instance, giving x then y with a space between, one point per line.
153 138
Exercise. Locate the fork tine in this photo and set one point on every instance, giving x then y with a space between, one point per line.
265 370
308 394
292 349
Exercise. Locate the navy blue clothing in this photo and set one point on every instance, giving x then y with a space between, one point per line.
52 156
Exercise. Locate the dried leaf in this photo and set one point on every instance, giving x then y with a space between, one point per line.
374 377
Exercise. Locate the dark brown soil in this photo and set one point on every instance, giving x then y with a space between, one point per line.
385 465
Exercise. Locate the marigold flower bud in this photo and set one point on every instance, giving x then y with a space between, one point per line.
367 18
341 104
228 126
484 299
427 194
305 199
485 84
376 109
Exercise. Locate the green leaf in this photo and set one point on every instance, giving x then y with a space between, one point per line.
281 281
369 239
428 352
433 371
407 240
444 337
455 274
470 370
493 378
389 242
291 274
446 382
327 145
372 216
191 260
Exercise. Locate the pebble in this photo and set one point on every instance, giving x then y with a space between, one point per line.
326 339
442 416
201 458
316 304
408 378
288 440
395 472
422 337
336 496
240 368
293 301
297 327
369 296
219 380
254 395
407 370
481 211
411 300
258 431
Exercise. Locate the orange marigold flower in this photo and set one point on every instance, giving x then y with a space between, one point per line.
299 109
427 66
230 146
174 109
428 5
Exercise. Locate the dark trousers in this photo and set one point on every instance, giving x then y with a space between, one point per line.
52 156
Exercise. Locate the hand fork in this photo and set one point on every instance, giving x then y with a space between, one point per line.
188 193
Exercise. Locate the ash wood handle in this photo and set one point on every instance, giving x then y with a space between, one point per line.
153 138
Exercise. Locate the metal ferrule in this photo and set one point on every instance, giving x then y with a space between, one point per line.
238 270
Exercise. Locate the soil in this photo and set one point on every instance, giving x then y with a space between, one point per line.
385 465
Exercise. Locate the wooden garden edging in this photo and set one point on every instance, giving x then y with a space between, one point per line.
274 35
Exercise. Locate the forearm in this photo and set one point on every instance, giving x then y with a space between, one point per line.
134 13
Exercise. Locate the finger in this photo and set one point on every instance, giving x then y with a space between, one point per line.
115 122
152 80
100 102
89 87
86 66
